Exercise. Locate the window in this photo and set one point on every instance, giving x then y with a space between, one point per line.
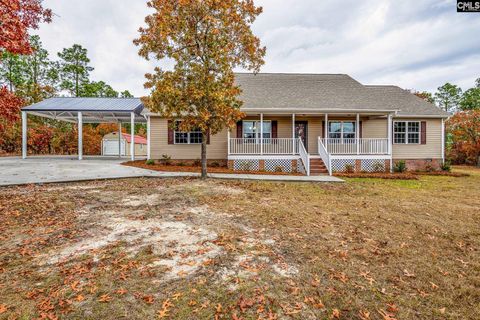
341 130
406 132
191 137
251 129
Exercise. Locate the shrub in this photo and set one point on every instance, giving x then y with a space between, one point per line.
149 162
400 166
349 168
245 166
197 163
429 168
378 167
446 166
181 164
278 169
215 164
166 159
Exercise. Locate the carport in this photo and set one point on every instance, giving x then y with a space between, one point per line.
89 110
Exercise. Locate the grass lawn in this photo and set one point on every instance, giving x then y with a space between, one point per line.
187 249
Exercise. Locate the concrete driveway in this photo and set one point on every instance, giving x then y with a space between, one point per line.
16 171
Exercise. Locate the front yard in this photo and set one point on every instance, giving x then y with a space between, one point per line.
187 249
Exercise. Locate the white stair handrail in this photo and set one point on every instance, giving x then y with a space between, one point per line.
304 156
322 150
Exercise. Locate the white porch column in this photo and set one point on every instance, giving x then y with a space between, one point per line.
80 136
24 134
293 133
390 140
443 141
119 139
228 141
326 131
357 133
132 136
148 138
261 133
390 128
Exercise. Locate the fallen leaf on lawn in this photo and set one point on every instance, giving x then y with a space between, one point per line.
392 307
80 298
148 299
364 314
434 286
336 314
121 291
406 273
3 308
105 298
442 310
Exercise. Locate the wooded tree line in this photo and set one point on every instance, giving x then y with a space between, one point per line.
33 77
463 128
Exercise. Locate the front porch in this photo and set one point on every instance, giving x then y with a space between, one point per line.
318 144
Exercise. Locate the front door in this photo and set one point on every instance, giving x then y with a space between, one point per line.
301 131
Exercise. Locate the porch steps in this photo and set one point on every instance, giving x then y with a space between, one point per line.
317 167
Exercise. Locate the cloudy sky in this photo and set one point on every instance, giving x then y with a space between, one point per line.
418 44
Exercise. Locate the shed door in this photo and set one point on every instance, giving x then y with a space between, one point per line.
110 147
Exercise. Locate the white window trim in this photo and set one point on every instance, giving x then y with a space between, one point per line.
341 130
188 137
257 134
407 132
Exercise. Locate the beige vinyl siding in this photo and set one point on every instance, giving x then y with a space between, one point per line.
216 150
375 128
431 150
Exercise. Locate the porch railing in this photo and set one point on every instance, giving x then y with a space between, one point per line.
266 146
356 146
325 155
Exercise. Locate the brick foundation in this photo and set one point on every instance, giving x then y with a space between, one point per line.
261 165
421 164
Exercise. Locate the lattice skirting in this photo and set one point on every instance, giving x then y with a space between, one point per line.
269 165
373 165
340 165
246 165
278 165
360 165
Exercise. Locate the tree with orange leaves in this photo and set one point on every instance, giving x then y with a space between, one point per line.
16 18
464 137
207 39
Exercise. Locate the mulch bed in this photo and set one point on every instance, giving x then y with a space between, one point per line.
173 168
401 176
378 175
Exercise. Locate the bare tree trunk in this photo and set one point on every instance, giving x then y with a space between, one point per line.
204 155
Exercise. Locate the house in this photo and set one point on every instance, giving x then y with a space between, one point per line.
309 123
111 143
315 124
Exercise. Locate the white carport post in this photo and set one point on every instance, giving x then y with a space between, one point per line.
24 134
119 139
80 136
132 136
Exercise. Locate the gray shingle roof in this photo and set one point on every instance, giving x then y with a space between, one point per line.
327 92
88 104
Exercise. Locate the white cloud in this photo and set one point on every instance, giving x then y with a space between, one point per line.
413 44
